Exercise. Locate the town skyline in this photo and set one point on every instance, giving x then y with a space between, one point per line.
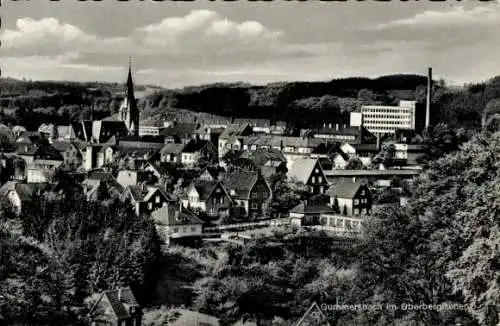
174 45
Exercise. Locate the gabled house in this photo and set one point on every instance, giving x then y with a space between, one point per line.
305 214
103 130
70 151
177 225
146 199
116 307
332 151
95 179
179 132
210 197
268 161
20 193
212 173
196 151
171 153
351 198
46 159
309 172
134 177
249 190
232 138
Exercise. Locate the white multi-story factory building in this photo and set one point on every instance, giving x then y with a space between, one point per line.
386 119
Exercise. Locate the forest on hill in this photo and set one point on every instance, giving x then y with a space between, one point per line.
301 104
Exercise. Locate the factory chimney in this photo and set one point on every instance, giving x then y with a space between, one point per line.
428 99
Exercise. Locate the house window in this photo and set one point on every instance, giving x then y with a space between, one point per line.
176 230
254 206
221 200
150 205
316 170
356 201
254 195
184 229
214 200
193 229
321 190
356 211
157 199
320 179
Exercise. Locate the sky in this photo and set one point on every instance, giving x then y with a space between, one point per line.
174 43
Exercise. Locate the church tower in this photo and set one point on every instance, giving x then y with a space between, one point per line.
129 112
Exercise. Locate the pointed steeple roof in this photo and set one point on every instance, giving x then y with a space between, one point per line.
130 84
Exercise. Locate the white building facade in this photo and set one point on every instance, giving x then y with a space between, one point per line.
387 119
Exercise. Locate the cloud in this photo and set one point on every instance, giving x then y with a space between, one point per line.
200 29
457 17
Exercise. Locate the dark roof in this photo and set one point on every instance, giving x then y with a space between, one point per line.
205 188
144 194
170 215
215 171
26 149
100 175
345 189
180 129
139 144
119 299
241 181
196 145
171 149
304 208
61 146
330 149
261 156
362 173
366 148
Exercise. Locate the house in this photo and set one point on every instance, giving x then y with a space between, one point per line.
145 199
177 225
207 132
20 193
171 153
351 198
249 190
309 172
116 307
104 129
45 160
197 151
70 151
134 177
382 178
212 173
65 133
210 197
151 127
268 161
332 151
96 178
232 138
409 154
179 132
306 214
343 133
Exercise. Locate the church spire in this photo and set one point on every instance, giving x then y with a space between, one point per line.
130 83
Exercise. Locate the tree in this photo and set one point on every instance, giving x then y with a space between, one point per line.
354 163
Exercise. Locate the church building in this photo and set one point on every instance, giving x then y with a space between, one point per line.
129 112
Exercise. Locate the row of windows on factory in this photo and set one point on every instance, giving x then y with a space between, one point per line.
386 110
386 116
387 123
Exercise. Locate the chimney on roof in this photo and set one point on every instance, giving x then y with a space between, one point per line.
428 99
